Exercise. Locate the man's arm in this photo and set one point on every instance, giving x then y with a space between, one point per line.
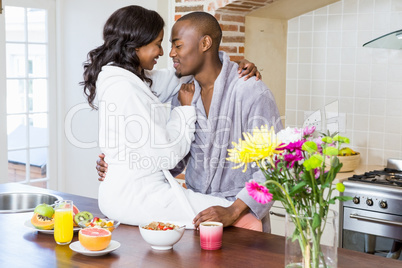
244 203
226 215
263 110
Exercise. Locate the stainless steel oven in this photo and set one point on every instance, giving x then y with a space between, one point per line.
372 221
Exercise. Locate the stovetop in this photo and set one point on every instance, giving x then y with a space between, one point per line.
387 176
377 190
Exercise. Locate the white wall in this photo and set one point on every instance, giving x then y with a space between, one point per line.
326 62
80 24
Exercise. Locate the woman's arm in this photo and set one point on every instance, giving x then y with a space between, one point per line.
146 128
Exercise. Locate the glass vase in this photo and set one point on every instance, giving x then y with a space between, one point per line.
311 247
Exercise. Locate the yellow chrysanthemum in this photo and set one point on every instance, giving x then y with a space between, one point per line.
262 144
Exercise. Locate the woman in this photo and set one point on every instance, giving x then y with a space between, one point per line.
140 136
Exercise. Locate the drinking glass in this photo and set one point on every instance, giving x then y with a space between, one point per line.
63 222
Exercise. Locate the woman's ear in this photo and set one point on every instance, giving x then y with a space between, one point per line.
206 43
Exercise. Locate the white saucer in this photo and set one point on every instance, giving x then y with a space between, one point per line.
77 247
29 225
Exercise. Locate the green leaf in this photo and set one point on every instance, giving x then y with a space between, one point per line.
341 139
313 162
295 236
298 188
340 187
327 139
326 185
343 198
332 151
331 201
310 147
316 221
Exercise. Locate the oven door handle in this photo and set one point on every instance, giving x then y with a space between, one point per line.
364 218
277 214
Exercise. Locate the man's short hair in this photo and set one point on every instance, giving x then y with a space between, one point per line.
205 24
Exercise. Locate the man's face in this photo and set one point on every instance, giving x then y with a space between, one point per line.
186 50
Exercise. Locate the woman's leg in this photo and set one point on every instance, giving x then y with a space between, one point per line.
249 221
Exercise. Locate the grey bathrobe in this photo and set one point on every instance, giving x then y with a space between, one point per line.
237 106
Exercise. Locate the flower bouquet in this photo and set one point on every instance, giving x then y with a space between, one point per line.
296 173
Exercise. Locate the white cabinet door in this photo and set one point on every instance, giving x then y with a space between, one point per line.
277 217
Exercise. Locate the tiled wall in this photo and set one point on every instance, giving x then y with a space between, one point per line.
326 62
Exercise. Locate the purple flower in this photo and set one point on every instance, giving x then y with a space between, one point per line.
319 142
294 146
308 130
317 173
293 158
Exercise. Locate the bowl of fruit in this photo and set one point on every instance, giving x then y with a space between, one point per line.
349 158
161 236
96 222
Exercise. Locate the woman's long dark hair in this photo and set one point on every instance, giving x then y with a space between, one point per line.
126 29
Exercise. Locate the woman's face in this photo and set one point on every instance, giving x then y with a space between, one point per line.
150 53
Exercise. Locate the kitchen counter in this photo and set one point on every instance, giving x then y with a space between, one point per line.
342 176
23 247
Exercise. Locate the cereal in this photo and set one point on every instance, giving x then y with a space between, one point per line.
160 226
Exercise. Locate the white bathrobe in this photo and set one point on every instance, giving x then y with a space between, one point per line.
142 139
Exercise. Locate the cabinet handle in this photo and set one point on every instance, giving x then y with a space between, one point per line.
364 218
277 214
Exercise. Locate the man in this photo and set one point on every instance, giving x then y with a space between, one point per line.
226 107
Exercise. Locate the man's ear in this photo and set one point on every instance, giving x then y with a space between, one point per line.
206 43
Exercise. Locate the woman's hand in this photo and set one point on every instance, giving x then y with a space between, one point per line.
186 93
101 167
248 69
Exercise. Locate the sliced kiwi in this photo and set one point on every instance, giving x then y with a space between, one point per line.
83 216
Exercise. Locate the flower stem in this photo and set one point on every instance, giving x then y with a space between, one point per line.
292 207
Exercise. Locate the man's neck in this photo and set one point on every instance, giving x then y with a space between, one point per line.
206 79
209 73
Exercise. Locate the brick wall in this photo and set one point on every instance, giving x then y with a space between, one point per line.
231 16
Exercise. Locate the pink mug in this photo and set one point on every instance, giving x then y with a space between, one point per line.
211 235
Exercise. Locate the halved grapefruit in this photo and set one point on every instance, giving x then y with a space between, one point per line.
94 239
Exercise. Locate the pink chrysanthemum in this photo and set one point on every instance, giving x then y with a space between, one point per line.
258 192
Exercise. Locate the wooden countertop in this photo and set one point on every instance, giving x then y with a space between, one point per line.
24 247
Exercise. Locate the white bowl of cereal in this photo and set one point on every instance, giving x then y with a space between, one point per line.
161 235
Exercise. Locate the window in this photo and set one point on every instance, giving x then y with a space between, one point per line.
29 83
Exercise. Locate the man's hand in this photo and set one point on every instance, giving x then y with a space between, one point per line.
248 69
101 167
186 93
227 216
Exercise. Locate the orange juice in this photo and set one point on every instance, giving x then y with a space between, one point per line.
63 222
